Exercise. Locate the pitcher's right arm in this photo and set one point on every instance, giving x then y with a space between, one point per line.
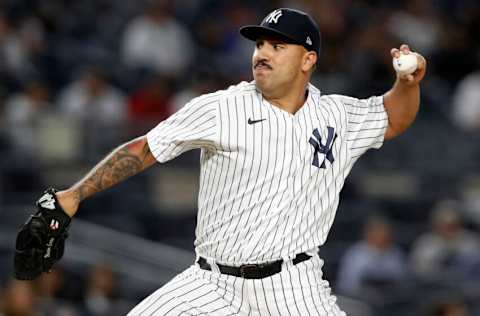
125 161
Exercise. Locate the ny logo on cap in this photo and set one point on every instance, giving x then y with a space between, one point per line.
273 17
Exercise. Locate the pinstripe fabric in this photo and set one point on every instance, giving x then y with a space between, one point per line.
199 292
260 197
267 192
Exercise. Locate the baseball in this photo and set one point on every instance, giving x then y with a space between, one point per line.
405 64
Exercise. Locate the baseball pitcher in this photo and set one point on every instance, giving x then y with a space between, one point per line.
275 153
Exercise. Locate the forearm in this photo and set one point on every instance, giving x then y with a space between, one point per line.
122 163
403 100
402 103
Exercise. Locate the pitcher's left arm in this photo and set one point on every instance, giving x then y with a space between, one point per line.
402 101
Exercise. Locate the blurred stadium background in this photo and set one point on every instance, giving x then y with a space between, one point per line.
80 77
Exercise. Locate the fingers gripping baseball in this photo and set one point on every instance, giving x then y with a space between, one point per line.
409 70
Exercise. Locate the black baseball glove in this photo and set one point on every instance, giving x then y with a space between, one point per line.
41 240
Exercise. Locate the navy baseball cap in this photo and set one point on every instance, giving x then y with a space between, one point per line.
293 26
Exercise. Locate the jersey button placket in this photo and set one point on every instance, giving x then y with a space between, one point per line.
296 153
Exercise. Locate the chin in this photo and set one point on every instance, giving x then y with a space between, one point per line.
261 82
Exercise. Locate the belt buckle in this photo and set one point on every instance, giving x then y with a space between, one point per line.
245 269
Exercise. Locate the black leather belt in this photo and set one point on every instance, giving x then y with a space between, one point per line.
253 271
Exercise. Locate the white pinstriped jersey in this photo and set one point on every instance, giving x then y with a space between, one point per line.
269 180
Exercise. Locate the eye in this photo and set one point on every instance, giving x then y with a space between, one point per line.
259 44
278 46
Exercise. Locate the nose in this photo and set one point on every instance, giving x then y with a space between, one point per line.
262 53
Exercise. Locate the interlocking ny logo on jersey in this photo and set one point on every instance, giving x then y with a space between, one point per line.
273 17
316 142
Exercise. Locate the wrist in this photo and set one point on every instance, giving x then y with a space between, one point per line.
404 82
69 201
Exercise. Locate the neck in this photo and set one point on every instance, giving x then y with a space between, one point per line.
290 100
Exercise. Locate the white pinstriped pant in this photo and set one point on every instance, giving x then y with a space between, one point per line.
296 290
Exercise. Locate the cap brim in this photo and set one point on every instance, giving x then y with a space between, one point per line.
254 32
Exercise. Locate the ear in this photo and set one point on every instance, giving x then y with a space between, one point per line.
309 61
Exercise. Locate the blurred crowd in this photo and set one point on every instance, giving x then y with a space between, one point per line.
442 265
111 62
77 78
51 295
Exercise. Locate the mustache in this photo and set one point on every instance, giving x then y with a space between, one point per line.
262 62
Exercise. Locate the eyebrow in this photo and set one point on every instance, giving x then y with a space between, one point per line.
272 40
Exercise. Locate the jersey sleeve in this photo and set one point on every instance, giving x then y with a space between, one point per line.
193 126
367 122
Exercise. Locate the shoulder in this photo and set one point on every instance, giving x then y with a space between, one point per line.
352 104
338 99
213 101
334 105
220 96
242 88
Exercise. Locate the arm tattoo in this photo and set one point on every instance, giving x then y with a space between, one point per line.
124 162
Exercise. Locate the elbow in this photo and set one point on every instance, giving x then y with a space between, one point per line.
395 130
398 124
